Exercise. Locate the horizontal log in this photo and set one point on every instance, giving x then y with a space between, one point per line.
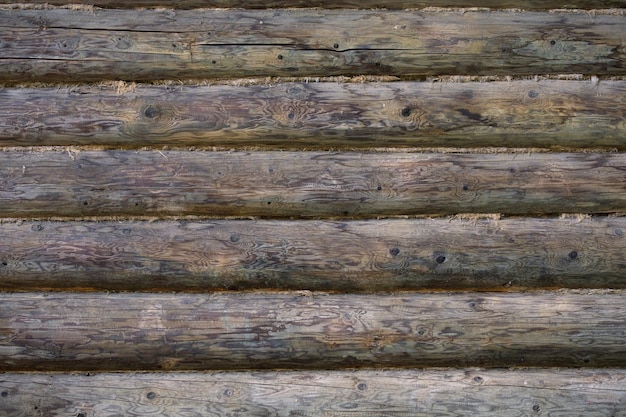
327 4
97 331
91 45
392 393
374 255
307 184
552 114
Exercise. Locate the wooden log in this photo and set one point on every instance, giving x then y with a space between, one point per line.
79 45
392 393
555 114
381 255
97 331
350 4
306 184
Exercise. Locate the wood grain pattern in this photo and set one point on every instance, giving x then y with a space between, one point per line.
374 255
307 184
96 331
336 4
554 114
388 393
77 45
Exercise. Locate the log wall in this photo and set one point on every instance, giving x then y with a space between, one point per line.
307 184
145 45
494 392
390 208
97 332
541 113
346 256
336 4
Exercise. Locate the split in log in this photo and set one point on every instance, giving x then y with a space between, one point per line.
555 114
477 254
307 184
78 45
97 331
389 393
335 4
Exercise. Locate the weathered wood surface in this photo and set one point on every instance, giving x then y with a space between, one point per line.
307 184
70 45
336 4
387 393
97 331
548 114
353 256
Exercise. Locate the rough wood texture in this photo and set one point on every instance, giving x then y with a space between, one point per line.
548 114
67 45
94 331
307 184
336 4
347 256
390 393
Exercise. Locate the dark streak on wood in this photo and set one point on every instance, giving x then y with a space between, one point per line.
380 255
391 393
306 184
546 114
76 45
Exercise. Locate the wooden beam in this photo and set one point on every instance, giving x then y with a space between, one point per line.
374 255
91 45
350 4
393 393
97 331
555 114
306 184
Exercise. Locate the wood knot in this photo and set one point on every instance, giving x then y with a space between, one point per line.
152 112
405 113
